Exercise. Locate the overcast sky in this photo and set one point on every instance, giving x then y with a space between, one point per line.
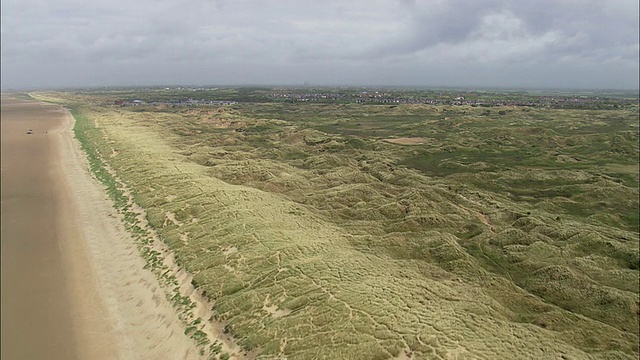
524 43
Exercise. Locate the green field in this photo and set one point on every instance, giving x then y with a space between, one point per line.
342 230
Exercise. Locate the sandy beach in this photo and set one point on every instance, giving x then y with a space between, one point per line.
73 283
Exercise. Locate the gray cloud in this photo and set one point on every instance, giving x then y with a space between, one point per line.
559 26
545 43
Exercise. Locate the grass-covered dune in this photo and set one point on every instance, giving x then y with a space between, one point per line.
377 232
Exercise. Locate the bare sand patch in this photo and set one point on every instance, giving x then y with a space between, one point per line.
406 140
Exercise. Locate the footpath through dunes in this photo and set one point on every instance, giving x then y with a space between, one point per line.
73 284
289 281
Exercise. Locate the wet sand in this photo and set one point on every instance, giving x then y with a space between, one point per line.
73 286
36 304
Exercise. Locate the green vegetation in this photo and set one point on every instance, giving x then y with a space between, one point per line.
377 231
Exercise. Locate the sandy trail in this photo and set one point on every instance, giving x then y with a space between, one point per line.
73 283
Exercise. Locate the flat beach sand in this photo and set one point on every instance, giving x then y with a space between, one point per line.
73 283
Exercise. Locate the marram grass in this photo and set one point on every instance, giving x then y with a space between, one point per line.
501 237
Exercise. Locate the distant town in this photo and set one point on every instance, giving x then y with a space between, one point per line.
185 102
472 99
185 96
